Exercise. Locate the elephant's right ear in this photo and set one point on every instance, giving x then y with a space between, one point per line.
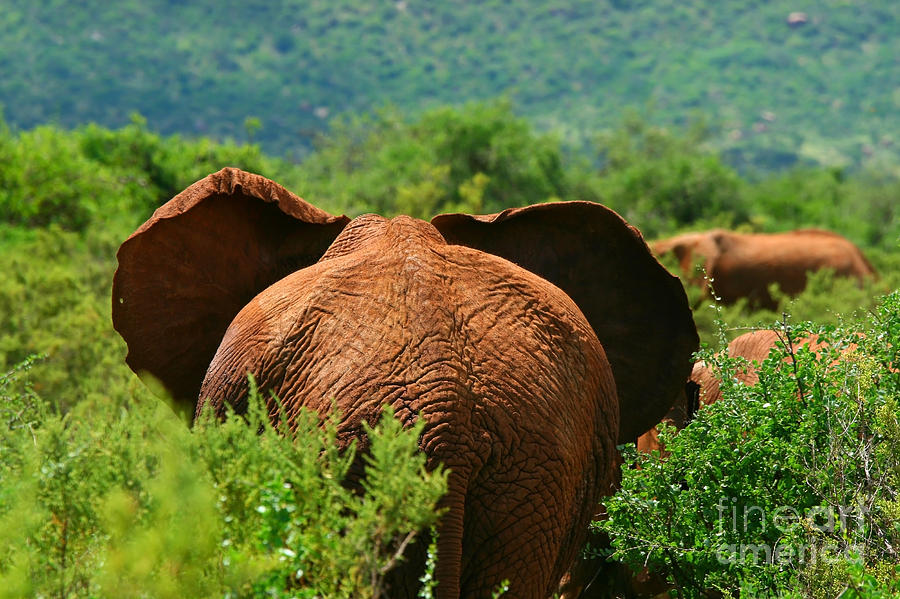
638 310
187 271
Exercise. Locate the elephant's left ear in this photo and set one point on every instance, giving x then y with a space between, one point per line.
187 271
638 310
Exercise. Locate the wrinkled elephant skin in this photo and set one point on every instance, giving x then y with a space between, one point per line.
523 339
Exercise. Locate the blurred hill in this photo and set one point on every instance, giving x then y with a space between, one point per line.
779 84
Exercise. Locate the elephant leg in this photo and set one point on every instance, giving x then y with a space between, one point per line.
522 530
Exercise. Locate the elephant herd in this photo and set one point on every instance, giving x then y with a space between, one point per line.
532 342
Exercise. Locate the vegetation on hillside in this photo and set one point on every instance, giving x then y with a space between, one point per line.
821 92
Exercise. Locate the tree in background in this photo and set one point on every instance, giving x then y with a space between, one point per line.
663 180
480 158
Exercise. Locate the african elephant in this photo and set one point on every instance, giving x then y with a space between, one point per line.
704 384
744 265
754 347
531 341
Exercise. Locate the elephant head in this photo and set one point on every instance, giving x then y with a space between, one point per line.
531 342
693 250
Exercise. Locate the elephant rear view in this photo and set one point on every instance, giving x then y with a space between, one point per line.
531 342
743 265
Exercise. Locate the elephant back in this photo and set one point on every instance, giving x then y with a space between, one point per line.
638 310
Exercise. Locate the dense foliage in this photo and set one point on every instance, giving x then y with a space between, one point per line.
788 487
99 478
129 502
479 159
94 175
820 92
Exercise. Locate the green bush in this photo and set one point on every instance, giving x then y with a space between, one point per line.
96 177
45 179
129 502
752 495
54 300
156 168
663 181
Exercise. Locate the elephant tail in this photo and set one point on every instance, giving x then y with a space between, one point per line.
448 570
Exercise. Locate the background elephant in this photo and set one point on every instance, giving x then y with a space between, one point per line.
524 339
704 385
744 265
754 347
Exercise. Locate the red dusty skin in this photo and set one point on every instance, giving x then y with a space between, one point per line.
523 339
705 384
744 265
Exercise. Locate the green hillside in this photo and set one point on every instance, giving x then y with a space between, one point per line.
826 91
678 116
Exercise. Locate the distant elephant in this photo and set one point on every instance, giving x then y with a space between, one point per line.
744 265
531 341
704 384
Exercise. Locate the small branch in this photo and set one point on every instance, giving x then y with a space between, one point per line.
398 554
790 347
